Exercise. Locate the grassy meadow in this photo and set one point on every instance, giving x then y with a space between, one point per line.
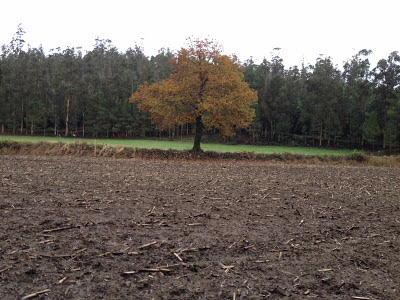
181 145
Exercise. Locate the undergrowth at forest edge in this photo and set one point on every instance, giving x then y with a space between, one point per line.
100 150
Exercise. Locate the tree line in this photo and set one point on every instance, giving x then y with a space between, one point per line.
69 93
66 92
356 106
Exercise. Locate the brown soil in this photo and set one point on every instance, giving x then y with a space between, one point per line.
110 228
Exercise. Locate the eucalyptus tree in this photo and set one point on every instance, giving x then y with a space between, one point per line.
371 129
35 110
160 65
52 79
387 83
258 77
324 89
5 112
142 70
17 78
100 89
357 93
69 76
394 124
252 75
279 97
139 66
21 82
269 91
288 123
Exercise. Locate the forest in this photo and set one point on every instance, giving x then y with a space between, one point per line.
70 93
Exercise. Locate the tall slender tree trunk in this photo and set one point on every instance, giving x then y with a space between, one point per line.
67 116
384 130
55 124
181 131
83 124
198 134
55 121
14 124
320 136
143 130
22 119
384 139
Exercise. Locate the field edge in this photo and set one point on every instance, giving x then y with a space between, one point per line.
101 150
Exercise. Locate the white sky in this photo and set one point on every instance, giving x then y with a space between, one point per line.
302 28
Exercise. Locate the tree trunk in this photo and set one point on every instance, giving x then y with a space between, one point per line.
182 131
320 136
55 123
198 134
384 139
384 130
143 131
272 131
83 124
67 116
22 119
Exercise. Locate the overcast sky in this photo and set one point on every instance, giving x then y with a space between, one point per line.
250 28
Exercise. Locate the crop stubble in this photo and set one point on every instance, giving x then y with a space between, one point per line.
141 229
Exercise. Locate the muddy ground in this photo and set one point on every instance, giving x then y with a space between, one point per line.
106 228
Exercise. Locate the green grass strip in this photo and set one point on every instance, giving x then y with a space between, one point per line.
182 145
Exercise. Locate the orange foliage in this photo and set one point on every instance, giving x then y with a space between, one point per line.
204 83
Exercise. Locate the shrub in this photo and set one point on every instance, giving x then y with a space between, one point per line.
5 144
335 158
357 156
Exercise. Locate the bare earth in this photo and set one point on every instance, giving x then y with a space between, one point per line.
104 228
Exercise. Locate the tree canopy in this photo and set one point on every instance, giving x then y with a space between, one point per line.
205 88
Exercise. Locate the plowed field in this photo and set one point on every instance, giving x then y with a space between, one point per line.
90 228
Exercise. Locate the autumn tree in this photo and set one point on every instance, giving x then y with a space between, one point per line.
206 88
